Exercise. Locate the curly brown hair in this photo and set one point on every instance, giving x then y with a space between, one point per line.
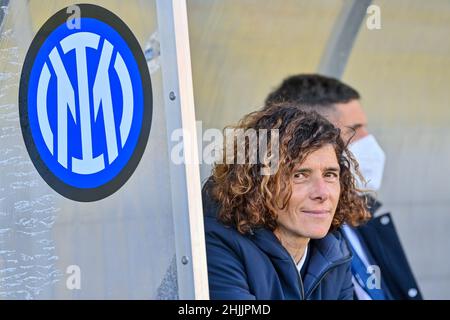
249 199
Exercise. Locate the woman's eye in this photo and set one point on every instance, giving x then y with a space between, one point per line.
332 175
299 175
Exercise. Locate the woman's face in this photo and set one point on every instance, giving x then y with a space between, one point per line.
315 196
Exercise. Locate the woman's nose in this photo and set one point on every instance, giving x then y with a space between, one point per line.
319 189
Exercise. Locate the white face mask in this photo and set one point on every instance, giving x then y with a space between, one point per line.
371 160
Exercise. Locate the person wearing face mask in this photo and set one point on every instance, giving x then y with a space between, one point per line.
380 268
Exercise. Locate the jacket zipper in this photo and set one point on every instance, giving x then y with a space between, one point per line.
302 288
300 282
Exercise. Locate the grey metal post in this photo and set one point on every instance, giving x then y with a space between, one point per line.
343 35
185 178
3 4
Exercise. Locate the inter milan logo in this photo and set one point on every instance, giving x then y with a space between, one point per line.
85 103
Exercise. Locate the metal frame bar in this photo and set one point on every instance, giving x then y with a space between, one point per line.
340 43
185 178
3 3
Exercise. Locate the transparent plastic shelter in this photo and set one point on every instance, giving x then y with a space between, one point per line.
134 244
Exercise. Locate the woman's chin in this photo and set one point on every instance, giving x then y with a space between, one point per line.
318 233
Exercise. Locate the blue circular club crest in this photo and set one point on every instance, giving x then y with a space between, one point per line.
85 103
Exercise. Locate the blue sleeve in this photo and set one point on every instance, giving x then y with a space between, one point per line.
226 273
347 286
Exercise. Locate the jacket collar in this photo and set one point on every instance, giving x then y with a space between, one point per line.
372 204
325 254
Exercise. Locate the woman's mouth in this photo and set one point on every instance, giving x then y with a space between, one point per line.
317 213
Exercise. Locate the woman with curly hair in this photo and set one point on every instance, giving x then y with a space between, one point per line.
276 236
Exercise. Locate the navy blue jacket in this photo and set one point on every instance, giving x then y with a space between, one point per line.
379 237
257 266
